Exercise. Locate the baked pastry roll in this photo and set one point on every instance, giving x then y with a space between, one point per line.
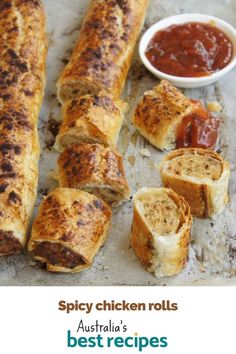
22 77
159 113
199 175
160 232
91 119
69 229
102 56
95 169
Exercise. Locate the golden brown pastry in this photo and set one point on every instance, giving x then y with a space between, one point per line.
160 231
22 76
160 112
95 169
91 119
102 56
69 229
201 176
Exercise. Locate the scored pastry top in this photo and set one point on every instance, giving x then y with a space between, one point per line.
72 218
22 78
91 118
102 56
91 163
69 229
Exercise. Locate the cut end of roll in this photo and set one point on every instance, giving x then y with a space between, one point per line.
57 254
9 244
72 88
201 176
196 165
159 210
161 230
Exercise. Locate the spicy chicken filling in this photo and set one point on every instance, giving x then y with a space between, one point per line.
57 254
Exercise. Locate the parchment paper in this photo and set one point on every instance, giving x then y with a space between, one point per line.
212 258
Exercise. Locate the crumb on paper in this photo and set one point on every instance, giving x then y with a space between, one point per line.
202 268
131 159
134 138
52 129
145 153
43 191
32 263
124 139
70 31
54 174
214 106
153 165
65 61
50 37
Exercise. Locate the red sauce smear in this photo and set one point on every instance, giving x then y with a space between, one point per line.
199 129
190 50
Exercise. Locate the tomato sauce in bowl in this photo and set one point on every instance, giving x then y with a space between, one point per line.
190 50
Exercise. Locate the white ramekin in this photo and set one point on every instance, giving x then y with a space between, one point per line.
188 82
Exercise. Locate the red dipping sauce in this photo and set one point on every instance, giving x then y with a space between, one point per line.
190 50
199 129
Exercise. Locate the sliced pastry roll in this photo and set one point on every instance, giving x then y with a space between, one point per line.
103 53
160 230
161 111
96 169
69 229
91 119
201 176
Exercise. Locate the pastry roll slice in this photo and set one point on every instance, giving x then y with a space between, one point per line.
160 232
69 229
102 56
91 119
95 169
160 112
201 176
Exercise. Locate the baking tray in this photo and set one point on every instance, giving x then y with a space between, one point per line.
212 258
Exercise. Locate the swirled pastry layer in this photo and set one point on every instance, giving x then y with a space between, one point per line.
201 176
160 230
